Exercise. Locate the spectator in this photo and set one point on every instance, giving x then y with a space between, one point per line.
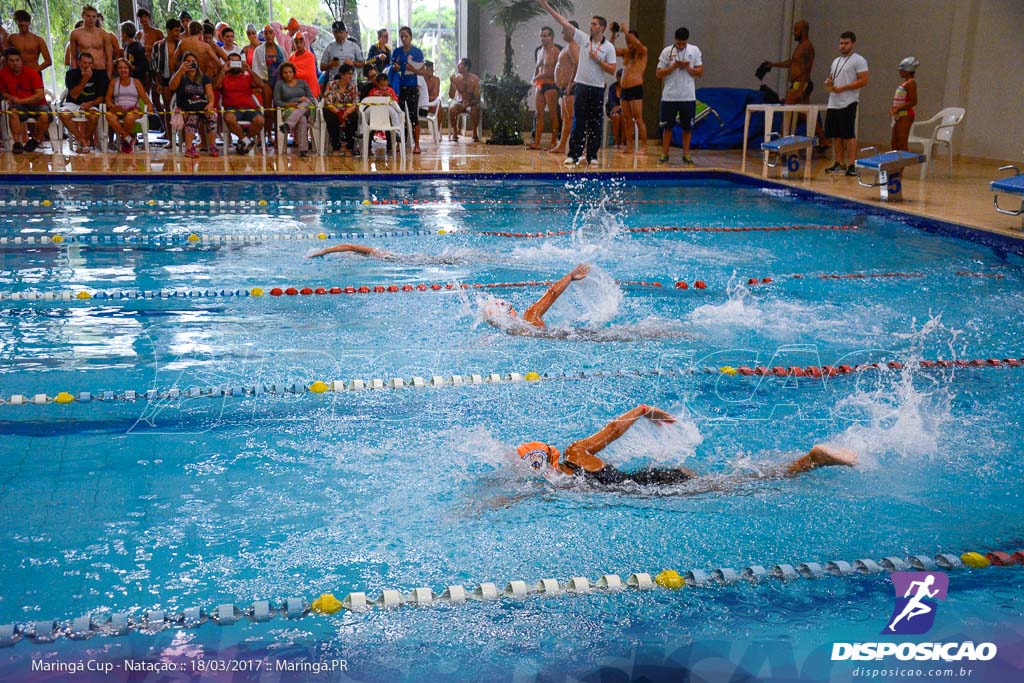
382 88
408 60
123 96
228 43
678 65
341 51
92 39
544 82
304 62
115 43
186 21
193 91
87 90
31 47
237 85
163 52
210 57
296 29
135 53
433 82
341 110
268 58
903 103
369 83
565 70
148 34
634 62
590 81
613 108
379 55
848 74
464 91
254 42
294 95
22 88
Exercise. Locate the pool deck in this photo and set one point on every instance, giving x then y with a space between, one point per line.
964 199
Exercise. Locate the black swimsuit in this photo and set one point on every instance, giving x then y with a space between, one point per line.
649 476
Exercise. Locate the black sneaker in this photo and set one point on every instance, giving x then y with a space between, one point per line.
851 170
285 128
836 168
31 146
18 148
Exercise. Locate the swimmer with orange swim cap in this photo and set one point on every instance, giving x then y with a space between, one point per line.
581 459
534 315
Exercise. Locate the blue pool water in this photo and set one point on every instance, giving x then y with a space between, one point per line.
137 505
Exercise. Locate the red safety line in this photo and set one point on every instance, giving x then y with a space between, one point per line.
422 287
816 371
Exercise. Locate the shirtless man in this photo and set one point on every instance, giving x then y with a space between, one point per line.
148 34
115 44
433 82
634 63
163 53
544 80
92 39
465 91
565 71
210 56
30 46
798 90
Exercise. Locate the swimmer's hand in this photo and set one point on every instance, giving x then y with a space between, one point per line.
316 254
657 415
580 271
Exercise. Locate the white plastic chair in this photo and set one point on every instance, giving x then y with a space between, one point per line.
461 128
225 132
433 108
375 115
54 128
945 123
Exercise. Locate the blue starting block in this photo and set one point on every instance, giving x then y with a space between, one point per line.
889 169
1013 185
786 153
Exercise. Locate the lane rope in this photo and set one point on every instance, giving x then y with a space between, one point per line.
515 591
321 387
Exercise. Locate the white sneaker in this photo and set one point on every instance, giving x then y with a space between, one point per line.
569 161
594 163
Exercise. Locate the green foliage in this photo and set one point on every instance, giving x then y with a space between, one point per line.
511 14
504 97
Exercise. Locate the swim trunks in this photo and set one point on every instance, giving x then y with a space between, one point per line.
610 476
634 93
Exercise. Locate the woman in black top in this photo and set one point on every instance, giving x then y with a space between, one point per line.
193 94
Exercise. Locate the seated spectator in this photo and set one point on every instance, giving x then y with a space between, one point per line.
341 109
368 83
87 90
464 90
294 96
238 85
304 62
194 93
384 89
123 110
22 88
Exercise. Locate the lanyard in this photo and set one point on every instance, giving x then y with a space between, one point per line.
835 74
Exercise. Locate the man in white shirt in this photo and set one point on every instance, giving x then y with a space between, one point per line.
678 65
848 74
597 62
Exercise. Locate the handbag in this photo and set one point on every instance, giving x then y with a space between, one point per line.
177 120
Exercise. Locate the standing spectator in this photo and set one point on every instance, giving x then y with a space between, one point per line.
294 95
679 64
229 45
613 108
847 75
591 73
304 62
92 39
544 82
22 88
408 59
135 53
295 29
254 42
123 96
268 58
115 43
87 90
199 42
237 85
194 93
565 70
148 34
186 20
464 91
903 103
31 47
800 65
160 63
341 51
634 63
379 55
341 110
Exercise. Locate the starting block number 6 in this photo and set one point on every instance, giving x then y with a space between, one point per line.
793 163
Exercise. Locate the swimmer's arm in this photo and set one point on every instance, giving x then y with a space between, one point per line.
581 453
634 42
354 248
535 313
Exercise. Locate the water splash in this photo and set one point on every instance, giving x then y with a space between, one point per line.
593 300
599 215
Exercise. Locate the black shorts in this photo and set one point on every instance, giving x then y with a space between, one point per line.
409 96
842 123
243 115
31 111
547 87
165 82
684 111
634 93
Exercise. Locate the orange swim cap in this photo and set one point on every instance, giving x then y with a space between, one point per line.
293 24
537 453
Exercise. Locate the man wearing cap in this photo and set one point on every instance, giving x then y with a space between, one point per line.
341 51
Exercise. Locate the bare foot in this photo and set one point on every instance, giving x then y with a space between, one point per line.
826 456
640 152
556 150
535 146
416 150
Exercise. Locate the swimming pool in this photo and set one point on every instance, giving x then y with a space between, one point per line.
117 504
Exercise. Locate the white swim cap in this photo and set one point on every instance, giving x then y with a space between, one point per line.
909 65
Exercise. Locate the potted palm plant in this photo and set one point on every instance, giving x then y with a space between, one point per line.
504 94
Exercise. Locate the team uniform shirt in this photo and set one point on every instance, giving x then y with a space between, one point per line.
679 86
236 91
135 53
402 58
343 51
22 85
96 88
844 72
588 72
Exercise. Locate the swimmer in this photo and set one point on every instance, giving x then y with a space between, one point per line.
500 309
410 259
352 248
581 459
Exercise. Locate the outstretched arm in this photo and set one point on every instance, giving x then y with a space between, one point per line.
821 456
581 453
354 248
535 313
558 17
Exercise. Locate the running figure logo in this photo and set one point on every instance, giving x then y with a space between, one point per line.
917 594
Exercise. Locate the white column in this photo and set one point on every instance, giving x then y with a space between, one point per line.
53 55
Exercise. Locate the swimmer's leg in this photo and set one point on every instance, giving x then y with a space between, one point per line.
821 456
535 313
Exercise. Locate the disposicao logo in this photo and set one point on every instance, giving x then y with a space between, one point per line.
917 598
